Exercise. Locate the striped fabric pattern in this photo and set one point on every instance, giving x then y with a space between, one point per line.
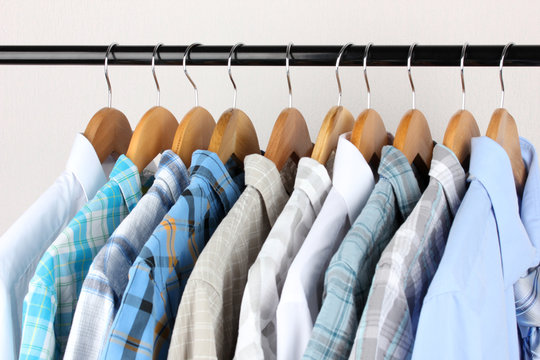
108 276
207 322
409 262
348 277
144 322
53 292
257 325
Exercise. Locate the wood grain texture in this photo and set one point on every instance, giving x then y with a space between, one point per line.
153 135
109 132
462 127
413 138
290 137
337 121
234 134
503 129
369 135
193 133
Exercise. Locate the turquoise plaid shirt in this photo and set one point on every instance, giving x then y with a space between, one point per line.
348 278
53 292
144 322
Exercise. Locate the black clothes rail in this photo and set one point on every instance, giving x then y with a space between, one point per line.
270 55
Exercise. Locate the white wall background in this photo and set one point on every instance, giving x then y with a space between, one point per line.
42 107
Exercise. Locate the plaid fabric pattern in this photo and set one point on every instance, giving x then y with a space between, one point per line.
207 321
257 325
407 265
53 292
143 325
107 278
348 277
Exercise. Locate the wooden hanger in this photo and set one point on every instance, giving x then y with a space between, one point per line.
193 133
234 132
503 129
337 121
154 133
413 137
290 135
369 133
108 130
462 126
196 128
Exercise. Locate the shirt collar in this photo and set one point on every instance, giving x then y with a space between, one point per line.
126 175
262 174
84 163
446 169
352 176
226 180
395 168
490 166
312 178
530 201
171 174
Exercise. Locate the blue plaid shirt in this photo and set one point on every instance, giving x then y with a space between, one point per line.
348 278
108 276
53 292
144 323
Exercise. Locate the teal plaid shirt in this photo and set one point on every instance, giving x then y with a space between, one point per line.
348 278
53 291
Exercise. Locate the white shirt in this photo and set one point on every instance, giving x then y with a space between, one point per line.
257 325
301 298
23 244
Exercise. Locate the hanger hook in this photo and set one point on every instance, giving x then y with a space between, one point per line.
107 72
287 56
461 67
343 48
154 53
366 52
186 55
501 70
409 58
231 53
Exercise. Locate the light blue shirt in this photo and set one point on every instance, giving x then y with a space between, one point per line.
469 311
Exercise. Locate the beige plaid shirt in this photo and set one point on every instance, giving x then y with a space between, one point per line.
207 322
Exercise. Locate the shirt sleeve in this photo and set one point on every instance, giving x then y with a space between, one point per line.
92 320
198 331
38 338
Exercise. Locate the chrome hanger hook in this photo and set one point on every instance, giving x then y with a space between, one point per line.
366 52
154 53
229 70
501 71
287 56
409 58
186 55
337 70
107 72
462 66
